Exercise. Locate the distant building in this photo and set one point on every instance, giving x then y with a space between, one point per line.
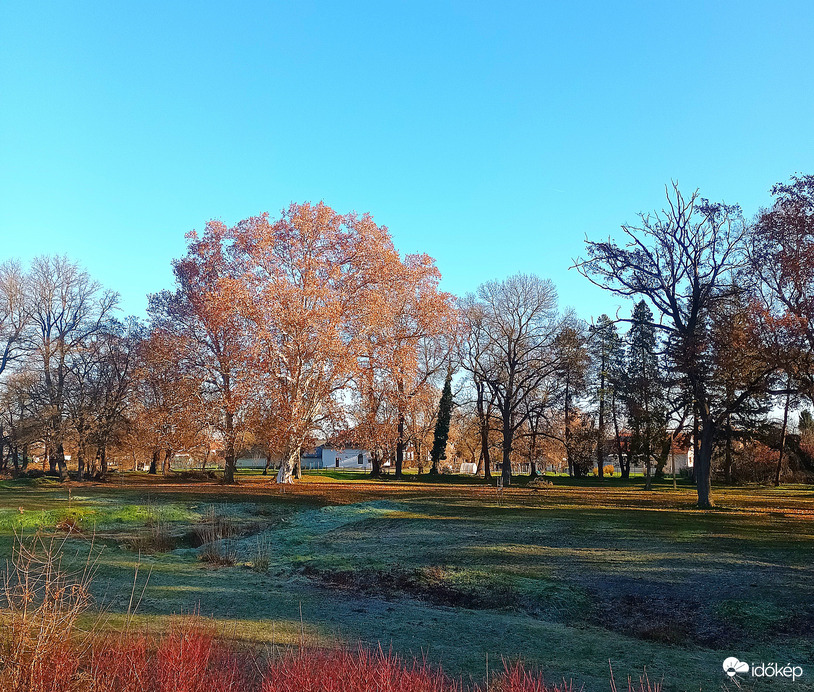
329 458
681 454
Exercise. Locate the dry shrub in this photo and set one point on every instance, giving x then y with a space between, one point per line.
260 559
754 463
69 524
154 538
643 685
215 534
39 606
517 678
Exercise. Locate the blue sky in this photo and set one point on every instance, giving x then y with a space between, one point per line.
493 136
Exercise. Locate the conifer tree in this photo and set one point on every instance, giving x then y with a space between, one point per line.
607 355
439 443
645 388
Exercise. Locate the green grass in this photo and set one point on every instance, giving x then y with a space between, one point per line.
567 577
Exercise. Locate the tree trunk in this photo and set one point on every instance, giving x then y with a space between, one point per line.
229 455
434 467
80 461
625 469
696 436
508 435
60 462
165 465
483 420
783 434
533 458
484 449
673 459
703 466
93 468
400 448
154 462
600 432
103 461
567 431
284 475
623 472
230 463
376 465
268 463
728 452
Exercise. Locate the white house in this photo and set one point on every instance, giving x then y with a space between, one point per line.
328 458
679 459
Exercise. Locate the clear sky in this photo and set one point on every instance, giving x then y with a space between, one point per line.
493 136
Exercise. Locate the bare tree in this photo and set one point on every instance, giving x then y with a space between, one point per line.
15 313
111 385
67 308
686 260
517 323
473 358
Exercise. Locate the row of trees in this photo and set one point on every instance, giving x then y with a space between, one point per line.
280 333
277 333
65 362
719 338
732 301
549 386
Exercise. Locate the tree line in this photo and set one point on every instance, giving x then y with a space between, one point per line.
281 333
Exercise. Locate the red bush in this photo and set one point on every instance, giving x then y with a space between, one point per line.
360 671
187 659
190 658
516 678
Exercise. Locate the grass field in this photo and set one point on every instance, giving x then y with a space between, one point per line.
566 578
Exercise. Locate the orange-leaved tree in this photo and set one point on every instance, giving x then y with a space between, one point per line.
167 412
309 291
209 332
408 348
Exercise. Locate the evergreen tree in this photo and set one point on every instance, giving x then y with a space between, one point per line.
644 390
439 443
607 355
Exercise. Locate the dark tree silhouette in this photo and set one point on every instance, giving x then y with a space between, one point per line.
687 261
439 442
